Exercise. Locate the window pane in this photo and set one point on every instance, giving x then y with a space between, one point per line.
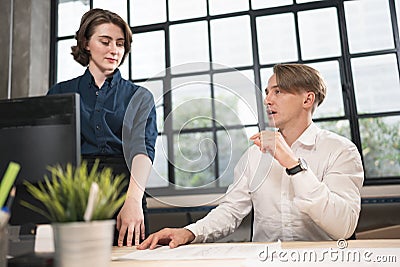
124 68
159 174
235 98
191 102
341 127
333 103
186 9
67 67
380 139
319 33
227 6
307 1
266 73
156 88
368 25
376 83
195 154
273 46
231 41
147 12
397 4
69 16
116 6
189 43
257 4
148 55
231 146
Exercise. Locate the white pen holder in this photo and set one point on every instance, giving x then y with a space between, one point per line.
3 246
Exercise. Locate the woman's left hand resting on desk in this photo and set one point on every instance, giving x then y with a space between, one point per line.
173 237
130 219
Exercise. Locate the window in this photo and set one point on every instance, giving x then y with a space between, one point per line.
207 111
186 50
319 33
273 46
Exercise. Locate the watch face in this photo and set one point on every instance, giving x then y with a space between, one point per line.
303 164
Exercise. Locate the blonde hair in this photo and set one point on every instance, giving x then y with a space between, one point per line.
296 78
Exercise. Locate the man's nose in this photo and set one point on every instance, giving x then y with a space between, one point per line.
267 101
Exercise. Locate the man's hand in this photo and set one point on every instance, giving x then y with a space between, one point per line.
173 237
130 220
274 143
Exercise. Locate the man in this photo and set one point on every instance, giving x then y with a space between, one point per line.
302 182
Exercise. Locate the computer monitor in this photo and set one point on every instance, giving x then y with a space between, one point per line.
37 132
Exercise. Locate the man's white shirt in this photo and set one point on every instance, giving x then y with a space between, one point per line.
321 203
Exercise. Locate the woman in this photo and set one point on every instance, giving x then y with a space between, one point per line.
103 42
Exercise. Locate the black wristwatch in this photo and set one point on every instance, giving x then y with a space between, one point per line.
302 166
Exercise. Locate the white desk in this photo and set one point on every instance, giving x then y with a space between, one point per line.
376 246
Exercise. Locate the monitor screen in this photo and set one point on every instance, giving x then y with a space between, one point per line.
37 132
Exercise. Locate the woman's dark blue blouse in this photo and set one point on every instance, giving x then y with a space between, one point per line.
117 119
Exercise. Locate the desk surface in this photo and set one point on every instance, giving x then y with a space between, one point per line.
387 244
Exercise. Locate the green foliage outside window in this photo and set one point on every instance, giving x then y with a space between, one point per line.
380 147
380 140
196 153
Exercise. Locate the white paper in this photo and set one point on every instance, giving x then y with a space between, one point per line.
349 257
201 251
44 241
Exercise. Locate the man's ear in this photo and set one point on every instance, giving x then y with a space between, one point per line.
309 99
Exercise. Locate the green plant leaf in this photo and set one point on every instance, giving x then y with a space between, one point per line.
66 193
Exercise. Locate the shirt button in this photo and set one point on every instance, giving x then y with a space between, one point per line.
98 127
97 92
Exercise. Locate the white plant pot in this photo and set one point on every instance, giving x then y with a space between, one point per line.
83 243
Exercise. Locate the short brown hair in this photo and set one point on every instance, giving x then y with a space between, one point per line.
299 77
90 20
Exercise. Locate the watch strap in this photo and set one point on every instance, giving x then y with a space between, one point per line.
296 169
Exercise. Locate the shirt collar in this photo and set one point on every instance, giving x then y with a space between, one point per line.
309 136
113 80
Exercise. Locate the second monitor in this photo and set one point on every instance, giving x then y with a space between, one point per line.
37 132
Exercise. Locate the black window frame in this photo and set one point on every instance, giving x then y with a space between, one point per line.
344 60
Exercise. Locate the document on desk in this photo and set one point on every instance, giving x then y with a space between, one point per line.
202 252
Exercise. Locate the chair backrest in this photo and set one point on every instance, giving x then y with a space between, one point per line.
352 237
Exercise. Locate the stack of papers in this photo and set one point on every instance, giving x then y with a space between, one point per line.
209 251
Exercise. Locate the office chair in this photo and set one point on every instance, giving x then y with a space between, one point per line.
352 237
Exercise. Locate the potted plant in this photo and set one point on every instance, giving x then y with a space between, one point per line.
83 232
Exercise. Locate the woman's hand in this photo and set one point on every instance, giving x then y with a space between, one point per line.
130 221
